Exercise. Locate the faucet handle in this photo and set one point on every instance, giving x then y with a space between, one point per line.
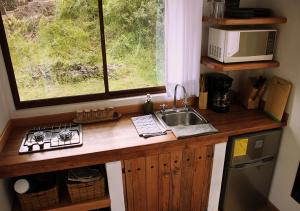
163 108
185 104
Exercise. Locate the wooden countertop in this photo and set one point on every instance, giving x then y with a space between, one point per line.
118 140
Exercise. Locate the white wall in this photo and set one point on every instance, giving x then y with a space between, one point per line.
115 185
5 196
5 202
287 54
4 111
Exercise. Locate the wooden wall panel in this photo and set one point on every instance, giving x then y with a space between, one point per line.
176 161
171 181
139 183
152 182
164 181
198 179
207 175
129 186
186 179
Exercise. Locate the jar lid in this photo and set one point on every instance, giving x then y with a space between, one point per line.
21 186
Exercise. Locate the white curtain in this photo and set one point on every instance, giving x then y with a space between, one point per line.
183 28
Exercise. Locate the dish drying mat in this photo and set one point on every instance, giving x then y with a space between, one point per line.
147 126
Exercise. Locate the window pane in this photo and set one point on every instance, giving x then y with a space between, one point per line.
54 46
134 43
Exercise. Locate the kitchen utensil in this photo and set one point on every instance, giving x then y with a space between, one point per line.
79 114
260 92
203 100
203 95
278 94
218 9
96 115
202 83
252 92
109 112
211 7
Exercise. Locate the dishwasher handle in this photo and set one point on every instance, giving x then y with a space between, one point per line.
262 162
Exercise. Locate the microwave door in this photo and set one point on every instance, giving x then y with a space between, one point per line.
252 44
247 46
233 44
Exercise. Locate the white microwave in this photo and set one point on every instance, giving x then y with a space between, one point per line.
236 45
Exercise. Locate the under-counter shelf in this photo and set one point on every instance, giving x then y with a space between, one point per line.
85 205
218 66
65 204
245 21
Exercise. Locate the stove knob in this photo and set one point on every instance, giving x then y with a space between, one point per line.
30 146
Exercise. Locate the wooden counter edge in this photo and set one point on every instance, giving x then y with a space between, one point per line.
62 163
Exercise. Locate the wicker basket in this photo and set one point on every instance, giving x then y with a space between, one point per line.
39 200
83 191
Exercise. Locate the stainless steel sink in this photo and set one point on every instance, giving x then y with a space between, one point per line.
180 117
184 122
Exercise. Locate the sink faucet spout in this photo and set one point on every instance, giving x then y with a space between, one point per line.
175 97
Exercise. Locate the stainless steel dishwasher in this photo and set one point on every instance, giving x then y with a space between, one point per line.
249 165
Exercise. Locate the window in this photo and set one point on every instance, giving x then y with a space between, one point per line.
63 51
133 29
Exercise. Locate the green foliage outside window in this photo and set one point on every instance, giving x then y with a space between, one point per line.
56 51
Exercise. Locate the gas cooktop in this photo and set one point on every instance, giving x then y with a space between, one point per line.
52 137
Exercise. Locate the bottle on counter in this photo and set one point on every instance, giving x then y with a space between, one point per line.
148 105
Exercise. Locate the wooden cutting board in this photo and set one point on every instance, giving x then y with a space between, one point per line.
278 94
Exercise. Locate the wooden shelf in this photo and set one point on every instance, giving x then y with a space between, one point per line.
245 21
218 66
66 205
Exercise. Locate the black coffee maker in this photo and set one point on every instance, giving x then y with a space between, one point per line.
218 87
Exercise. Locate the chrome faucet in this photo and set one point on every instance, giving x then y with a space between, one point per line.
175 98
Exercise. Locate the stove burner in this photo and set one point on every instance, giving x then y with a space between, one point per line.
39 136
65 134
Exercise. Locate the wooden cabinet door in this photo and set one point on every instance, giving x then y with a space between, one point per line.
175 180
